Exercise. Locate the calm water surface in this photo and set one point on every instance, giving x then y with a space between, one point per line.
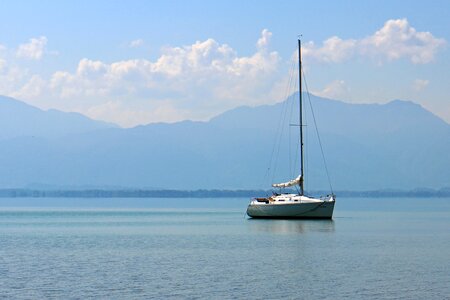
208 249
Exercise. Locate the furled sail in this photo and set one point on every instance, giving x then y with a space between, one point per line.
293 182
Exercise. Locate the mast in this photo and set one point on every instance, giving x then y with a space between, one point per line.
300 114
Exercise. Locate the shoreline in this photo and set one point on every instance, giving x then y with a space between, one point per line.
214 193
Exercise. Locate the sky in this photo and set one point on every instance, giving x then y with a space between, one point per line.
139 62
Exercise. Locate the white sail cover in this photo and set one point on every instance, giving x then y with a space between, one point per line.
289 183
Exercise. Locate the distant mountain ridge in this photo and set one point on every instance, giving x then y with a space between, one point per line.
398 145
19 119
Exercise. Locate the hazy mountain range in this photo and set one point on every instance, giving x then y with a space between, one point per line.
398 145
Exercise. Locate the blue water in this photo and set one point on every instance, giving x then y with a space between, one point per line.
208 249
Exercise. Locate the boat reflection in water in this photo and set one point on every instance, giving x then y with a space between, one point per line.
291 226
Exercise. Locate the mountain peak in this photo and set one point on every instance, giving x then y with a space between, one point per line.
400 102
398 145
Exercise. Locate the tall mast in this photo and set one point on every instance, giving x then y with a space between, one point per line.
300 114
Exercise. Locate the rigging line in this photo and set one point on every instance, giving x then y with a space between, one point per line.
306 148
317 132
293 102
294 173
289 148
278 132
280 138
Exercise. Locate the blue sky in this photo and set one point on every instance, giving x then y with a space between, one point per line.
137 62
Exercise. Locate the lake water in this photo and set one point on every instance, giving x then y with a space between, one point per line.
207 249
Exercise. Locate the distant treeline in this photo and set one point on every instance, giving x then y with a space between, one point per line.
142 193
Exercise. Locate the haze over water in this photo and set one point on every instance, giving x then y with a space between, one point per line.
207 248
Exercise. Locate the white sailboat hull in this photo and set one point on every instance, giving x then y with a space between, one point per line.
318 209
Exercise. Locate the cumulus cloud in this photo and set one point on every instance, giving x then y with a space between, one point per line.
33 88
336 89
264 40
199 80
395 40
34 49
420 84
2 49
2 64
333 50
193 81
11 77
136 43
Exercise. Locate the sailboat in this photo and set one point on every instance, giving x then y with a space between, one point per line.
293 205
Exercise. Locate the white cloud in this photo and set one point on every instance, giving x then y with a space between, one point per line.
11 78
34 49
136 43
264 40
336 89
32 89
199 80
88 68
2 64
395 40
420 84
398 39
333 50
195 81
